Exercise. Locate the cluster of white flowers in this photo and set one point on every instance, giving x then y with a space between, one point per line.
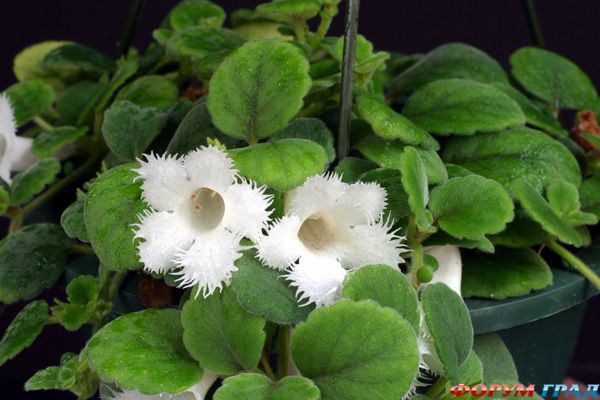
15 151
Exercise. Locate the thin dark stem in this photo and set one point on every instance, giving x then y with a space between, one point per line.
343 139
130 26
533 22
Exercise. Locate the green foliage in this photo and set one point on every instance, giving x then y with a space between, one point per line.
75 58
73 101
281 164
506 273
29 99
498 364
23 330
73 222
221 335
82 295
133 352
564 200
397 199
414 181
190 13
357 350
73 374
312 129
151 91
259 387
47 144
31 260
202 41
521 232
33 180
27 64
4 200
110 211
552 78
289 10
351 168
462 107
258 89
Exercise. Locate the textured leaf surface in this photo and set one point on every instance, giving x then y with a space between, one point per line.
151 91
414 181
30 98
48 143
189 13
498 364
77 57
202 41
312 129
23 330
397 200
259 387
27 184
72 221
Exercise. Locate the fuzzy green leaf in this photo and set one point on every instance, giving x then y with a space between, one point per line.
23 330
461 107
397 200
72 221
312 129
78 58
151 91
350 169
73 101
27 64
259 387
201 41
33 180
47 144
521 232
498 364
45 379
414 181
30 98
189 13
287 10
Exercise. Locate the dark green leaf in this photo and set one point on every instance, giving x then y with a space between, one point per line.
498 364
521 232
288 10
23 330
312 129
33 180
27 64
30 98
73 222
201 41
73 100
414 181
189 13
4 200
259 387
397 200
47 144
79 58
350 169
151 91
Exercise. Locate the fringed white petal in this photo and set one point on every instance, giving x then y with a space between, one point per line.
8 130
246 209
163 234
362 203
373 244
21 155
318 280
281 247
318 193
450 266
8 124
428 358
209 167
201 389
209 262
164 186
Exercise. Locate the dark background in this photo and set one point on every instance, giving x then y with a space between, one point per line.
571 28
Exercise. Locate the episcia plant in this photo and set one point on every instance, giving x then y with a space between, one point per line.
204 170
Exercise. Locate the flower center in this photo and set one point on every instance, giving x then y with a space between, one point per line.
207 209
316 232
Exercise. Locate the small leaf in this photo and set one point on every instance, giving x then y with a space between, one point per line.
281 164
461 107
589 192
259 387
73 316
350 169
31 260
79 58
388 287
202 41
311 129
552 78
32 181
506 273
134 354
45 379
23 330
449 325
47 144
414 181
30 98
150 91
471 207
356 351
521 232
452 60
72 102
471 371
498 364
397 200
83 290
73 222
541 212
110 210
189 13
264 292
390 125
288 10
563 197
26 65
222 336
130 129
258 89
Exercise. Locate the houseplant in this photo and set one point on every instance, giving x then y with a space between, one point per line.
208 163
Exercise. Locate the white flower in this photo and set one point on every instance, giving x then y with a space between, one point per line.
450 266
197 392
200 212
330 227
15 151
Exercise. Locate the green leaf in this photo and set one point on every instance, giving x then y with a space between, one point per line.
82 293
471 207
4 200
134 354
589 192
259 387
282 164
258 89
82 290
189 13
388 155
221 335
72 102
73 316
289 10
498 364
390 125
75 57
27 66
45 379
48 143
452 60
388 287
397 200
151 91
33 180
357 350
534 115
521 232
471 371
541 212
350 169
563 197
130 129
312 129
461 107
110 210
449 325
552 78
30 98
201 41
441 238
23 330
264 292
31 260
519 153
414 181
73 222
506 273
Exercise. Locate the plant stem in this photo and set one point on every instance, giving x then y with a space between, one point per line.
579 265
343 138
533 22
115 283
16 220
80 248
300 28
284 351
42 123
267 367
130 26
329 11
414 243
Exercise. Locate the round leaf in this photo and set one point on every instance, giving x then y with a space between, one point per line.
23 330
79 58
259 387
152 91
110 210
357 350
282 164
288 10
30 98
201 41
131 352
73 223
196 12
461 107
258 89
471 207
27 66
312 129
33 180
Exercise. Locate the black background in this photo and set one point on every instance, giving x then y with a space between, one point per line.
571 28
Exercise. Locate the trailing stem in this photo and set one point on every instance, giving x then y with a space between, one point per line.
533 22
329 11
130 26
576 262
